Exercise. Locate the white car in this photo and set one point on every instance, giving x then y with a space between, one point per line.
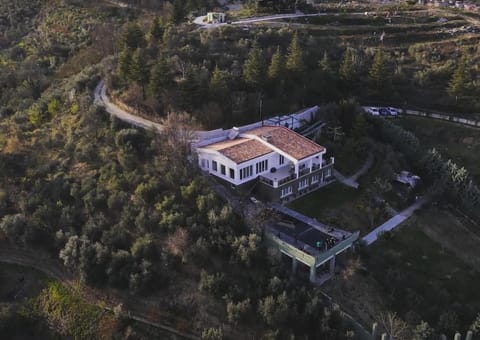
393 111
374 111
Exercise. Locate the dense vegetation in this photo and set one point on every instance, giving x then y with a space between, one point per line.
123 208
249 72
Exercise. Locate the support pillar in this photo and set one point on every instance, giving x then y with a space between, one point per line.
374 330
469 335
294 265
332 266
313 273
458 336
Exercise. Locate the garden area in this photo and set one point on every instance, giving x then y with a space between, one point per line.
456 142
407 261
419 277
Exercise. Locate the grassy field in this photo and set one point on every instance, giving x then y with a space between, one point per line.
329 205
459 143
422 278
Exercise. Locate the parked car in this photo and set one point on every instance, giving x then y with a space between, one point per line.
384 111
374 111
393 111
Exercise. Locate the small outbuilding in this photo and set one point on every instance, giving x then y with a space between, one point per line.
215 17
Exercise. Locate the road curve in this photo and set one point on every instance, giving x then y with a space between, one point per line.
101 99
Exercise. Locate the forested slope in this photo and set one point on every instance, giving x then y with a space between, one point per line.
122 208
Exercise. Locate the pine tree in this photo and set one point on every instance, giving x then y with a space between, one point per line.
275 70
219 85
190 92
294 62
124 63
157 28
458 84
254 68
325 65
161 78
139 69
379 74
347 67
132 37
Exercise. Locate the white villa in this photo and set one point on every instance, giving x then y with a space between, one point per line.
282 162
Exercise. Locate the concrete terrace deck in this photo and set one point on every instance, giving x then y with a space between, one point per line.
330 231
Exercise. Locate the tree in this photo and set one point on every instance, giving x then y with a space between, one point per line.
394 326
276 67
14 227
347 67
212 334
139 71
237 311
157 29
379 74
458 84
124 63
475 327
132 37
423 331
246 247
294 60
161 77
219 85
274 310
254 68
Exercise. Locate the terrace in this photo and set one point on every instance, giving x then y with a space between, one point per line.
287 173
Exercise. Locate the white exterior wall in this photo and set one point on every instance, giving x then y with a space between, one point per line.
210 156
273 158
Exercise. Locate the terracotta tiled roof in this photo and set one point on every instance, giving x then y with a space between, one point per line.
240 149
287 140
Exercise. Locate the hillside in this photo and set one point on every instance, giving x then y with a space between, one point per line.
120 207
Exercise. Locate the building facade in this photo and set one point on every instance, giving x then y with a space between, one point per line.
281 163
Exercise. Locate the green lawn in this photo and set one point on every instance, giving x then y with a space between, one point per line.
421 277
331 204
457 142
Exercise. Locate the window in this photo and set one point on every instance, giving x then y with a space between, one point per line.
214 166
303 183
315 179
222 169
246 172
261 166
286 191
281 160
329 172
232 173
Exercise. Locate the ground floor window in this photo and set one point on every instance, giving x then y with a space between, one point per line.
315 178
329 172
286 191
303 183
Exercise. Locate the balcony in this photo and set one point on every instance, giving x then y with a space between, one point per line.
279 177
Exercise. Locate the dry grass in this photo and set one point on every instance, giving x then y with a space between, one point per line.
447 230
